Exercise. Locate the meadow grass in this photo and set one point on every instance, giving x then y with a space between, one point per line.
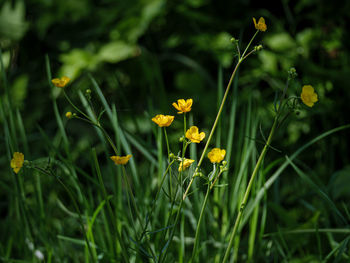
149 210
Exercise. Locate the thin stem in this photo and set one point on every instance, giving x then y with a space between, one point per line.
196 239
156 198
74 204
250 42
246 194
216 178
131 194
214 126
75 107
168 148
109 208
184 146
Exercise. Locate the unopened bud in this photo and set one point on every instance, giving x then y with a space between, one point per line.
292 73
69 115
258 48
198 174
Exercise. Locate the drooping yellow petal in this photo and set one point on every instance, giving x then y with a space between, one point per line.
60 83
185 164
121 160
261 26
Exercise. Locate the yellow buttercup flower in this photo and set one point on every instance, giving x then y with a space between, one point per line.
185 164
163 120
216 155
17 161
183 106
260 25
193 134
60 83
121 159
308 95
69 115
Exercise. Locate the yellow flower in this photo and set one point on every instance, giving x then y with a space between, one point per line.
216 155
60 83
260 25
69 115
121 159
17 161
185 164
193 134
183 106
163 120
308 95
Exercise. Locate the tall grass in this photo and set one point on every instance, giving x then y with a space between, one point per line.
73 204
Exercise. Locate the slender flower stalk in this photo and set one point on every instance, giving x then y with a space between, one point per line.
169 166
246 194
240 60
110 211
196 238
136 209
75 204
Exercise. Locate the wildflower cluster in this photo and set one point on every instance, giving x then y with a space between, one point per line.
184 180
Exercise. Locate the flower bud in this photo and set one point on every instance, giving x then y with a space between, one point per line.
258 48
292 73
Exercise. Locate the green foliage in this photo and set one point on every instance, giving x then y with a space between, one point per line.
138 57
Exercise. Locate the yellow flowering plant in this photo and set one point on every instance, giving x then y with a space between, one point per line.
261 26
193 135
17 162
163 120
60 82
183 106
216 155
309 96
121 160
176 191
185 164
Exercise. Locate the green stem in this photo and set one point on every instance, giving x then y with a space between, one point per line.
214 126
109 208
168 148
247 191
241 59
184 147
250 42
75 206
196 239
136 209
75 107
155 199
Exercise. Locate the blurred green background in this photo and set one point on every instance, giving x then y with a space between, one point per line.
145 54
